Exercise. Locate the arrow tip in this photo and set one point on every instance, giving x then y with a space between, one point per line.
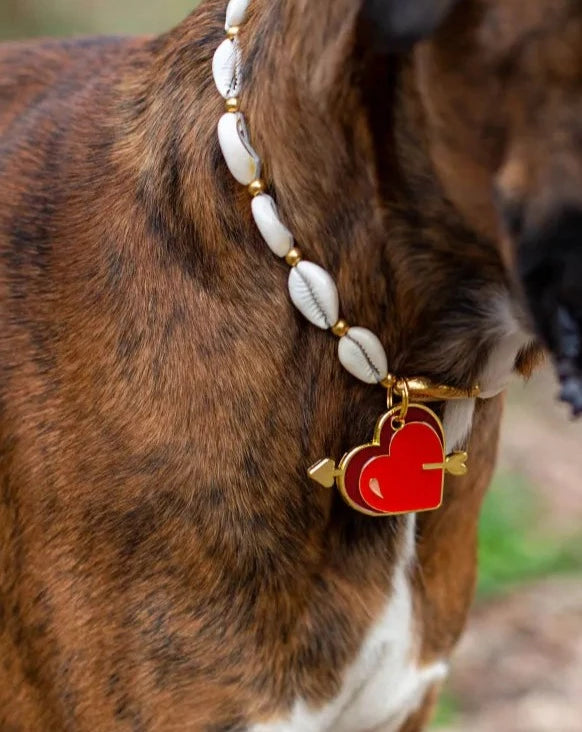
456 464
323 473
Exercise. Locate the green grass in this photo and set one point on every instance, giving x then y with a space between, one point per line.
515 546
19 19
448 710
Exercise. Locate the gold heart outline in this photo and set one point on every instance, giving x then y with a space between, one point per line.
377 442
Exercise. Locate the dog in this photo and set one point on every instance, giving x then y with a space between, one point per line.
165 561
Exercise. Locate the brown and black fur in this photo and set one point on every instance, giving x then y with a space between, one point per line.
164 561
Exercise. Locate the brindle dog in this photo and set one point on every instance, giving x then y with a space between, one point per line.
164 561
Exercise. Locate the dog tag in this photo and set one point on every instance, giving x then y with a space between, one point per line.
401 471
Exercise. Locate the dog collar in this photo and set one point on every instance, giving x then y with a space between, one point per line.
402 469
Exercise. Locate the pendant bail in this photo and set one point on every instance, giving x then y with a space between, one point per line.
397 387
389 383
403 391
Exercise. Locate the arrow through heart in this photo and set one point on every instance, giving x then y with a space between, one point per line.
387 476
398 482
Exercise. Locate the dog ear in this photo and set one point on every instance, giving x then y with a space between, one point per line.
396 25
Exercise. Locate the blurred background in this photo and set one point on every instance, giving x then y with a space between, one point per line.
519 668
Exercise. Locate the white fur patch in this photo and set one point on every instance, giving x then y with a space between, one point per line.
507 340
457 421
384 685
501 363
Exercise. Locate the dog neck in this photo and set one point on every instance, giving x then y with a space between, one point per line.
343 139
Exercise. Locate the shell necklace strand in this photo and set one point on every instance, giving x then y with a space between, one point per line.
402 469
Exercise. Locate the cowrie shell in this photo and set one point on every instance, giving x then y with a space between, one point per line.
363 355
314 294
225 68
242 161
236 12
277 236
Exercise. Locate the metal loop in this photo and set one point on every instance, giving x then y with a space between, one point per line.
390 397
389 383
402 387
397 424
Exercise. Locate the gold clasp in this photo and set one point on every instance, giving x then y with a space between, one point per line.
423 390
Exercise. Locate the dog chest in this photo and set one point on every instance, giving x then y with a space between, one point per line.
385 684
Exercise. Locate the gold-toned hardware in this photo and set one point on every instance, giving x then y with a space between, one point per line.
424 390
389 382
232 104
232 32
257 187
340 328
324 473
293 257
398 423
403 392
455 464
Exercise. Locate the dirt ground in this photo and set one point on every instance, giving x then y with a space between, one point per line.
519 667
519 670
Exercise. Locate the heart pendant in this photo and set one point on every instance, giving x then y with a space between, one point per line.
401 471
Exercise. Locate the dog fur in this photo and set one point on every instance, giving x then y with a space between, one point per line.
164 561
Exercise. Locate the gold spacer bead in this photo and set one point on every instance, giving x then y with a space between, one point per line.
293 257
389 382
232 104
232 32
257 187
340 329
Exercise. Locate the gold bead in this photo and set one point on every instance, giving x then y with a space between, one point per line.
293 257
340 328
257 187
232 104
232 32
389 382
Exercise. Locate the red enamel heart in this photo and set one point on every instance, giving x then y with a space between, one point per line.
398 483
387 476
